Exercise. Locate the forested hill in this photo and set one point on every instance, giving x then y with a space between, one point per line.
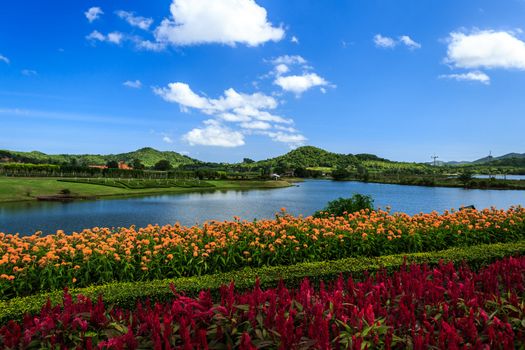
311 157
147 156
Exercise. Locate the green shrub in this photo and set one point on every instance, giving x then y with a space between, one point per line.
349 205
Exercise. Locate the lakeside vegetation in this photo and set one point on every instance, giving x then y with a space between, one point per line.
14 189
303 162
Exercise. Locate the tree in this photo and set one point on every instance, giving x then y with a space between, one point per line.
137 164
340 174
112 164
248 161
162 165
349 205
466 177
362 172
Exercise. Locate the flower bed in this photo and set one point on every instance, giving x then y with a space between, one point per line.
417 307
37 263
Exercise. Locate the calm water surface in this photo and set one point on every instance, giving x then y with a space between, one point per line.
191 208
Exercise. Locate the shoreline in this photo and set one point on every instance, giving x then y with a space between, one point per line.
100 192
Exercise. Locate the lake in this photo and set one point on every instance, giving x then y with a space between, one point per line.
191 208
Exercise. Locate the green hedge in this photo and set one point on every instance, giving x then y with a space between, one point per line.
126 294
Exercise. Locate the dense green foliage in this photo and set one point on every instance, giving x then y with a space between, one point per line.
146 156
126 294
342 206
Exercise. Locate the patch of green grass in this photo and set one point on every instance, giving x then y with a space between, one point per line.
14 189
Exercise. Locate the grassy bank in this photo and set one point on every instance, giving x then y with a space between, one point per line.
13 189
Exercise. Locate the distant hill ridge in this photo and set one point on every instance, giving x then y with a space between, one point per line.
306 156
147 155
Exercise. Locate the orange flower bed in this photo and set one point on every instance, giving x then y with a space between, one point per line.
29 264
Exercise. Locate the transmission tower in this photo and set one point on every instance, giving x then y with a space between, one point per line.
434 157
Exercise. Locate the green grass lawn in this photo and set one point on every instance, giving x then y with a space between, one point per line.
24 189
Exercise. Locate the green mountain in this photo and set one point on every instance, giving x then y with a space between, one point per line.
148 156
309 156
510 158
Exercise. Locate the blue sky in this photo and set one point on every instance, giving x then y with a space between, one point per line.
223 80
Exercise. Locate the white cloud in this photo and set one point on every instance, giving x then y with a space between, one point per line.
470 76
231 106
411 44
4 59
135 84
214 134
257 124
384 41
289 60
113 37
167 139
210 21
292 139
486 49
294 40
136 21
182 94
249 112
93 13
298 84
96 35
149 45
281 69
29 72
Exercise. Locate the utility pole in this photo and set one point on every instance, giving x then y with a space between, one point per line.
434 157
490 164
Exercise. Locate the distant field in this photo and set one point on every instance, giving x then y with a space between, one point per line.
26 189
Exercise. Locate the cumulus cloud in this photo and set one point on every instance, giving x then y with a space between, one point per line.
214 134
227 22
135 21
113 37
476 76
250 113
295 83
384 41
486 49
4 59
298 84
294 40
135 84
93 13
229 106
